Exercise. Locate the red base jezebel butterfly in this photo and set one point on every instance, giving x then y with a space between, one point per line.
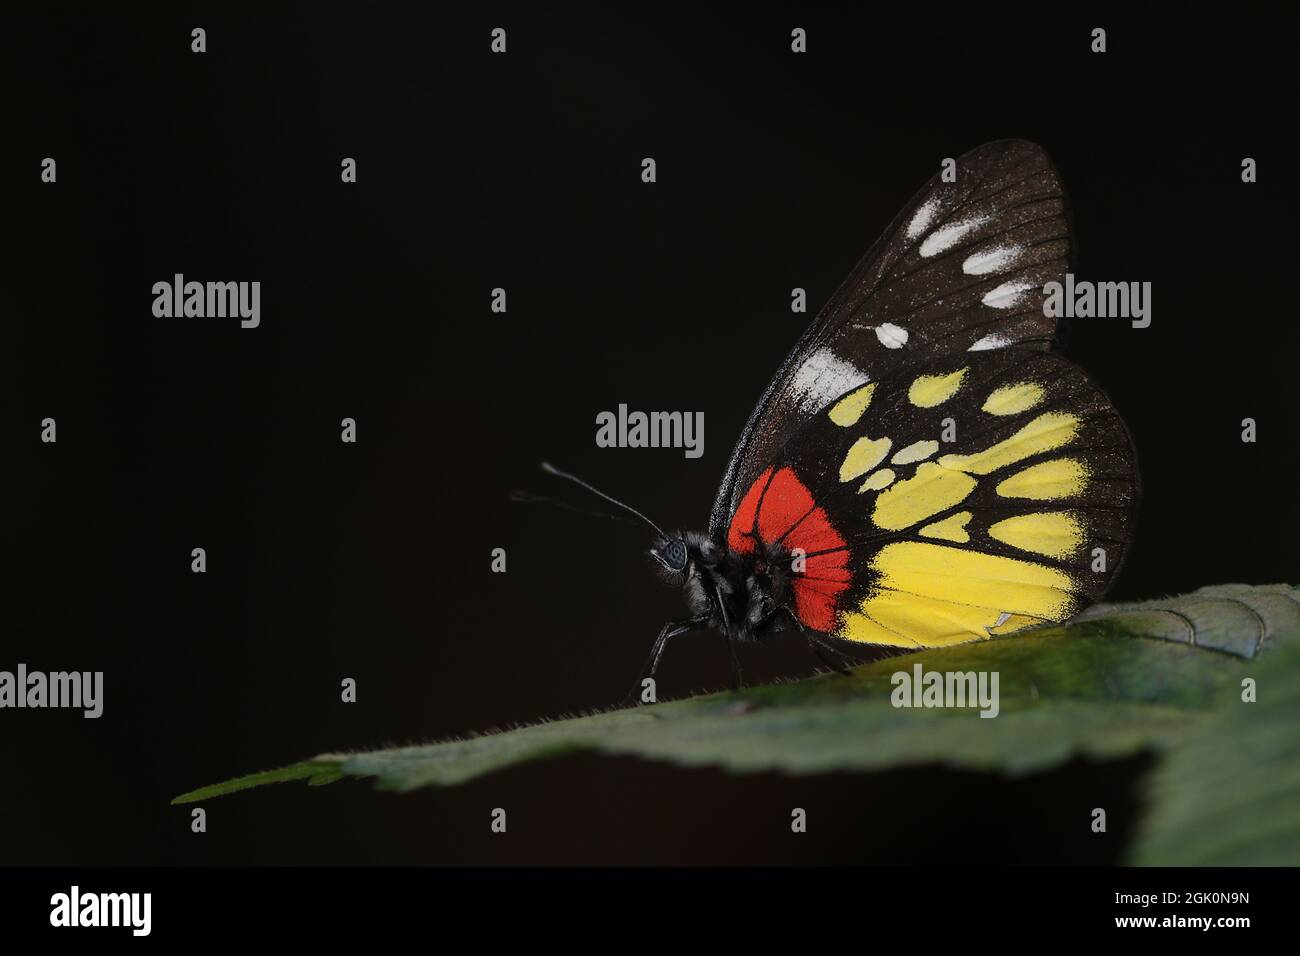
923 470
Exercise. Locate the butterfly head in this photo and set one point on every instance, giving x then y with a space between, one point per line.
672 554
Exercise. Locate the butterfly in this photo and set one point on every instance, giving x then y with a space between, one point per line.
924 469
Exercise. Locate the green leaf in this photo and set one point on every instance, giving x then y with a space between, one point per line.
1231 797
1117 680
315 772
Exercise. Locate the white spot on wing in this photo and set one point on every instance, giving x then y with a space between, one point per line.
824 377
1002 619
924 216
993 341
944 239
891 336
1007 294
994 260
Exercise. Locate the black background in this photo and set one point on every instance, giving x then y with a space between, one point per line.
371 561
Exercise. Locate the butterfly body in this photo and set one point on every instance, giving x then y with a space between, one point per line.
742 595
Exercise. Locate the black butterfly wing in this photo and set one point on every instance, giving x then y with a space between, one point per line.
955 500
961 268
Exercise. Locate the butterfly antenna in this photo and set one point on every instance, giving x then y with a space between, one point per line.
528 498
552 470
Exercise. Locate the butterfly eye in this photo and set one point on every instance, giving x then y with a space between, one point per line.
673 554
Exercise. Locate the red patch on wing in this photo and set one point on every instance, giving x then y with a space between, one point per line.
780 507
740 537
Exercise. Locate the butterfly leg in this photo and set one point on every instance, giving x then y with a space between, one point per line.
819 647
670 630
731 642
734 676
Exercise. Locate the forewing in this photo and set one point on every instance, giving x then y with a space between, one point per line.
961 268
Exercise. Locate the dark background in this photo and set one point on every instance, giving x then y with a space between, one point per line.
371 560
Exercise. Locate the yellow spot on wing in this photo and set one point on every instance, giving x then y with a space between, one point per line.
1056 534
930 390
1047 431
1047 480
931 490
1010 399
972 577
864 454
849 409
952 528
930 622
878 479
907 620
917 451
859 627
